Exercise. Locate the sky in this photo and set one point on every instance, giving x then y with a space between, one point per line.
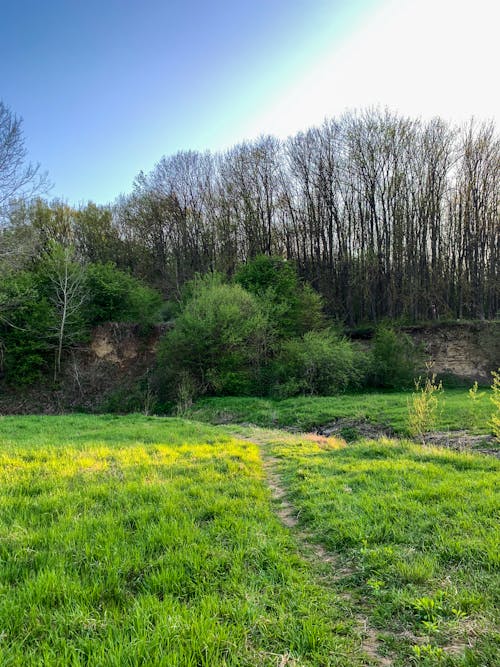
106 87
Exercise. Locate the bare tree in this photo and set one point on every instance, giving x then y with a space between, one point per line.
19 178
387 216
66 279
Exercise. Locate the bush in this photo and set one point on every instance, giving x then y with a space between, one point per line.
394 359
116 296
293 308
26 326
217 344
321 362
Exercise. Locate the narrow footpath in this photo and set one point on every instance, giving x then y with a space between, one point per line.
316 553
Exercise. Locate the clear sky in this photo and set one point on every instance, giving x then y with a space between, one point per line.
106 87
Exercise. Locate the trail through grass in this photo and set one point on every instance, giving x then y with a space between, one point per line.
143 541
152 541
415 531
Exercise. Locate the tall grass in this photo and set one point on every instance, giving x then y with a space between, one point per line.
143 541
385 408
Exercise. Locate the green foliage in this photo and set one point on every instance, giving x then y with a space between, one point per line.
495 399
293 307
423 406
26 322
34 303
393 359
116 296
218 341
320 362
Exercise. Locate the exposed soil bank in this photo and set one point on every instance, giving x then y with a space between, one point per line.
106 371
111 372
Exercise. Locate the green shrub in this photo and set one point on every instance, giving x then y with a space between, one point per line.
293 308
217 344
321 362
116 296
394 359
26 327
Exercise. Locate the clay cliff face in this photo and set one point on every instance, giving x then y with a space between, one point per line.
468 351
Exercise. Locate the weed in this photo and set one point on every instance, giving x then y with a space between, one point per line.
422 409
474 398
429 655
349 433
186 390
427 608
495 399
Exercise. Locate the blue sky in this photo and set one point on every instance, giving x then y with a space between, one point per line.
106 87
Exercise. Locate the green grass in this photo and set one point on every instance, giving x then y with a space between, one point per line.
456 411
418 530
145 541
152 541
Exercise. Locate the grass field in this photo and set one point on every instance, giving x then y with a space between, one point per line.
143 541
416 530
154 541
456 410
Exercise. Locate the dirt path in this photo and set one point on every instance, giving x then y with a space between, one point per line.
334 570
316 553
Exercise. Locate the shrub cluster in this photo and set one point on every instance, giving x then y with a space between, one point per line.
265 334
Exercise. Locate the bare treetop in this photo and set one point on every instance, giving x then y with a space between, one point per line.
19 178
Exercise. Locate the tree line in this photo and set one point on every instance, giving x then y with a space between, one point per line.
386 216
369 217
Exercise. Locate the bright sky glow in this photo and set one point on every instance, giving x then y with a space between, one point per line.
419 57
106 87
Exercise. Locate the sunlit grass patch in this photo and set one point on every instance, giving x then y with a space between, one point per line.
128 541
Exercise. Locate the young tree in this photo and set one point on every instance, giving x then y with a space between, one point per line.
65 284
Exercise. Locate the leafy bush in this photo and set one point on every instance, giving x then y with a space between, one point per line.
26 323
293 308
394 359
217 344
321 362
116 296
